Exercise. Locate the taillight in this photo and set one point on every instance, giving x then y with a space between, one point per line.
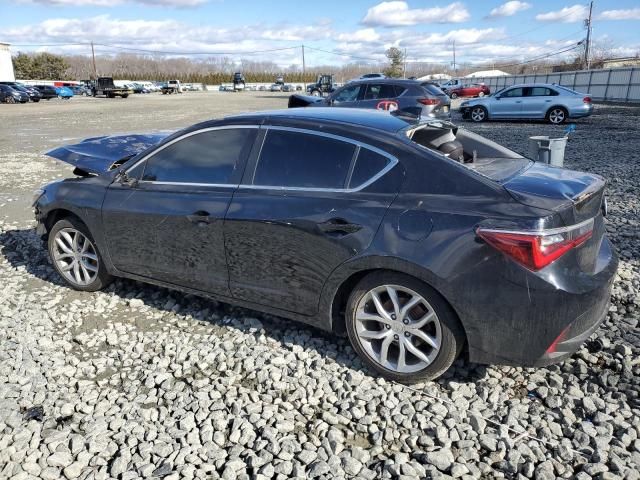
535 249
428 101
586 100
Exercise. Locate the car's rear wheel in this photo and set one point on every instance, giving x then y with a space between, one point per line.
402 328
454 95
75 256
481 94
478 114
316 93
557 115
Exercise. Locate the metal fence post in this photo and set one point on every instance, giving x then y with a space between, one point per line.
606 87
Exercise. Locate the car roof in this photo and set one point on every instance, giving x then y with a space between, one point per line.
549 85
368 118
395 81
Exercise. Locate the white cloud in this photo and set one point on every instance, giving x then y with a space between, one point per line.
628 14
113 3
510 8
461 36
575 13
367 35
398 13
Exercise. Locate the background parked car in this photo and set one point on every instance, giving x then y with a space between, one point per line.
64 92
79 90
33 93
276 87
47 91
369 76
531 101
473 90
11 95
410 96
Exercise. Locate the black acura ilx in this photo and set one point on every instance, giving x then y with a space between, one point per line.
416 239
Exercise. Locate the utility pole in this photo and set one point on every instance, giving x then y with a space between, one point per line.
93 55
587 45
404 66
455 70
304 80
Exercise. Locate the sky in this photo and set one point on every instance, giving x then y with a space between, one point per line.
333 31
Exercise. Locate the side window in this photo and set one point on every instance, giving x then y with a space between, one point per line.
514 92
376 91
347 94
295 159
368 165
207 157
541 92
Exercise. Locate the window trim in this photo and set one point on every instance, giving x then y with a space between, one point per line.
393 161
182 137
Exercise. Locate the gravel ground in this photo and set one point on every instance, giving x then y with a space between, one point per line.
142 382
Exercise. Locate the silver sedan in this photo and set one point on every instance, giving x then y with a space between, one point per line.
531 101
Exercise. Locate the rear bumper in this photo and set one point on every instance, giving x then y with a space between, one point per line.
532 320
581 111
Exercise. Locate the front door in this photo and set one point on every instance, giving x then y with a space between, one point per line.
508 105
168 225
312 202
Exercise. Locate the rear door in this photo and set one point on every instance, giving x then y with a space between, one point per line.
537 101
508 104
312 201
169 224
380 96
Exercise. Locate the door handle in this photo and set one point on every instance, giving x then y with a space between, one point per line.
200 218
518 101
338 227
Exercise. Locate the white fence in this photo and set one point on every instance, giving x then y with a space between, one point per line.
614 84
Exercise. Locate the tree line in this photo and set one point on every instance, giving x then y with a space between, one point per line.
217 70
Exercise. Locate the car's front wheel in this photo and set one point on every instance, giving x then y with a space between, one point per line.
478 114
75 256
402 328
454 95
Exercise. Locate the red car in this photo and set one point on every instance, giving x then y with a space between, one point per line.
474 90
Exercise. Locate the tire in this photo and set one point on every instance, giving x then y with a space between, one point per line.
368 334
36 101
11 100
478 114
316 93
82 258
481 94
557 115
454 95
125 95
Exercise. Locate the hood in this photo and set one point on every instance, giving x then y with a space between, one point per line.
476 101
98 154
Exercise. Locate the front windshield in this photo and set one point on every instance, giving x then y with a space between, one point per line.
498 91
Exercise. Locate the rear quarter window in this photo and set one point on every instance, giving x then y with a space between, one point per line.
368 165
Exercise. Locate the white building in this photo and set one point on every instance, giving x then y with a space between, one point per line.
6 65
435 76
487 73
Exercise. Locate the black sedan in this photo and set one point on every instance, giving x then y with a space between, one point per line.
47 91
416 239
11 95
33 94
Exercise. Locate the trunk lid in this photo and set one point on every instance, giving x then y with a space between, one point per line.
575 196
100 154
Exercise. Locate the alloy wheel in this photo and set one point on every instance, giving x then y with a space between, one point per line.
478 114
398 328
75 256
556 115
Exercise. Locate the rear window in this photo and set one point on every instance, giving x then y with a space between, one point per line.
302 160
368 165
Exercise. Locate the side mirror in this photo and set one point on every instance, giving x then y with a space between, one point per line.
126 181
